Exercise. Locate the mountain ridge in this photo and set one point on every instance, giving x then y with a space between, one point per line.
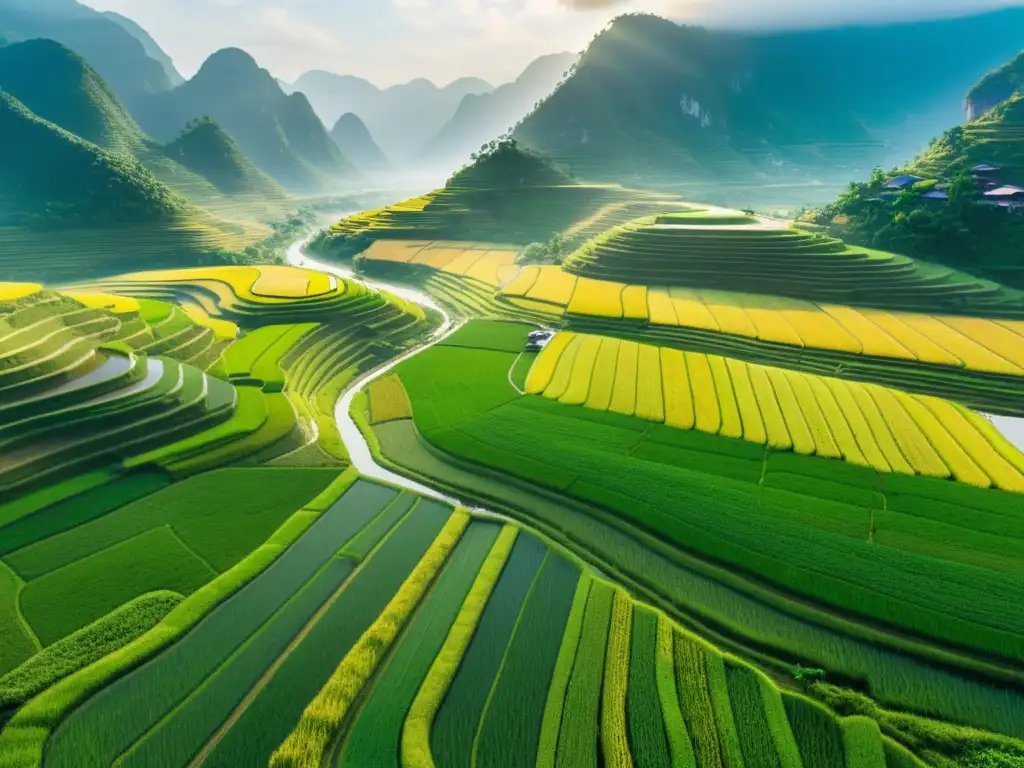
657 98
278 132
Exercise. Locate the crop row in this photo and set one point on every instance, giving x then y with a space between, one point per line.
863 424
975 344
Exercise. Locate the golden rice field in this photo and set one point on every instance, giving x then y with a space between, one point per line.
491 264
864 424
15 291
989 346
262 284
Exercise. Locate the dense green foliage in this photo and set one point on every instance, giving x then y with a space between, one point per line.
58 86
996 87
204 148
503 163
961 232
64 180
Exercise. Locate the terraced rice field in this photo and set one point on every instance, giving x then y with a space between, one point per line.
486 263
976 360
511 215
973 344
729 251
863 424
190 575
484 623
841 534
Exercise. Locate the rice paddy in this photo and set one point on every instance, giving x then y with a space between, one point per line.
723 485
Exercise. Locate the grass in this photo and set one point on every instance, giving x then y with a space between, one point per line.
697 702
220 515
190 725
596 456
30 503
817 733
862 743
277 706
69 513
578 736
55 604
17 643
680 746
363 543
388 400
243 599
614 731
80 649
727 727
748 708
782 401
415 741
322 720
647 724
454 729
553 709
510 728
718 599
490 334
374 738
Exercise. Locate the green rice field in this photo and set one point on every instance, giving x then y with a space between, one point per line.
199 568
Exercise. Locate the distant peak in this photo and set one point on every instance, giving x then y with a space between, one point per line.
349 119
230 61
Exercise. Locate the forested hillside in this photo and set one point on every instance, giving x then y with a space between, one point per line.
671 102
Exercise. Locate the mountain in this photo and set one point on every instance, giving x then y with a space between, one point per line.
653 98
112 50
58 85
280 133
58 179
149 45
203 164
205 149
996 87
355 142
505 165
485 116
402 118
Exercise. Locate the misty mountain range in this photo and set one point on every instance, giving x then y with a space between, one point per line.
648 97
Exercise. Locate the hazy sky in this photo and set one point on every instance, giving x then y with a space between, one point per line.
390 41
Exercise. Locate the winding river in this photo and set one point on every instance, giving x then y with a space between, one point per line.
359 451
